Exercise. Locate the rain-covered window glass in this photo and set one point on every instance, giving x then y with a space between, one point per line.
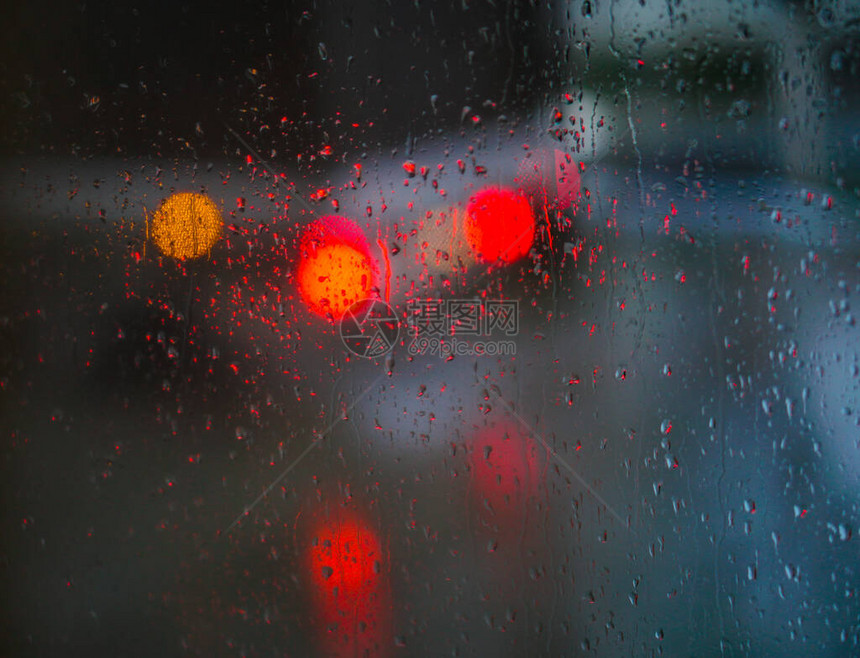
484 328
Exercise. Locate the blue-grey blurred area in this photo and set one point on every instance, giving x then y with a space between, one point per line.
668 461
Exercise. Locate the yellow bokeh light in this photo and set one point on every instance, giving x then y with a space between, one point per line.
187 225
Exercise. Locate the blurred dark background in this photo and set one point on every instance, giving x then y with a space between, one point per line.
101 78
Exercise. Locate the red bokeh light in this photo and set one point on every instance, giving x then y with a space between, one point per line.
506 471
500 225
345 560
350 593
335 268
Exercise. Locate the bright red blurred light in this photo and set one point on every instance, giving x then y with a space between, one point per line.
335 268
345 560
500 225
351 597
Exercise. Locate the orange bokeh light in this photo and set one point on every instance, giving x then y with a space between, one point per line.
187 225
500 225
335 269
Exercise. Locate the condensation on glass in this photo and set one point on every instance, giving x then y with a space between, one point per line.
402 329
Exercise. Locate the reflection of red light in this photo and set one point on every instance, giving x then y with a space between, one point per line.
567 180
499 225
346 559
552 178
506 472
336 268
352 601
